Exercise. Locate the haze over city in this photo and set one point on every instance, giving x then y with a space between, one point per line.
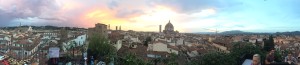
147 15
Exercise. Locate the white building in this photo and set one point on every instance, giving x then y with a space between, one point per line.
180 41
135 40
118 45
161 47
79 41
193 53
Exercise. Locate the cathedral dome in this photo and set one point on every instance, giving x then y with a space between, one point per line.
169 26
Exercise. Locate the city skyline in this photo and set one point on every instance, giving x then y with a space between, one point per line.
147 15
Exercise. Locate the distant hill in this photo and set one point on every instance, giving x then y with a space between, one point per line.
205 32
226 32
288 33
235 32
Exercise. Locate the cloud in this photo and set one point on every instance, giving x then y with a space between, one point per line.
144 15
191 6
23 9
125 13
73 11
112 5
51 19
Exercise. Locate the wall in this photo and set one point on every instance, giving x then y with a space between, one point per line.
160 47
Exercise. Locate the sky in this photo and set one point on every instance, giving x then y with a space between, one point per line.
147 15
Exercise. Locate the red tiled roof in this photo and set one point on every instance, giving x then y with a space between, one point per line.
24 41
26 44
173 47
5 62
140 51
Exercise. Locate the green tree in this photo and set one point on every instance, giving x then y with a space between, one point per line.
215 58
278 56
147 41
271 41
241 48
156 60
256 43
132 59
171 60
245 48
100 48
269 44
220 58
73 43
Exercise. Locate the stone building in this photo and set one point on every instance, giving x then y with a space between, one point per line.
98 29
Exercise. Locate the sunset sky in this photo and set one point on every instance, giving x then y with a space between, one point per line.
147 15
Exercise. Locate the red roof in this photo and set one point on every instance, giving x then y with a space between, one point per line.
5 62
173 47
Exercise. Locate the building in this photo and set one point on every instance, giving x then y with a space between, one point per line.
98 29
108 26
162 47
116 27
63 34
159 28
24 48
169 28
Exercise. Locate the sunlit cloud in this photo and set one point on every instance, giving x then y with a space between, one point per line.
147 15
156 15
205 12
